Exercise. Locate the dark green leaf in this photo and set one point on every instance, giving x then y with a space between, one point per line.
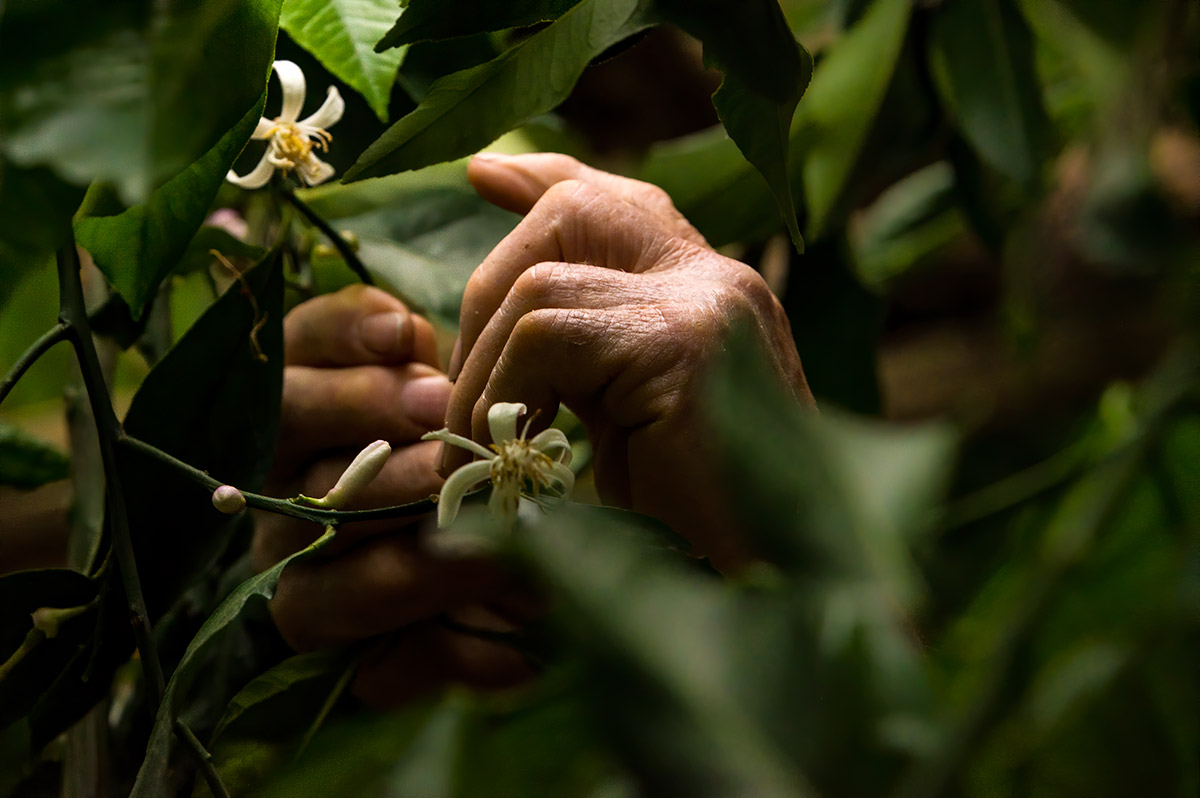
35 214
279 680
841 105
429 20
26 678
127 94
766 72
213 403
983 56
26 462
342 35
468 110
154 776
137 249
421 234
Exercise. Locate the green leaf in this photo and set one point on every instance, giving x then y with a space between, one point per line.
468 110
841 105
35 211
213 402
137 249
432 20
279 680
342 35
125 94
153 778
983 57
421 234
26 462
766 72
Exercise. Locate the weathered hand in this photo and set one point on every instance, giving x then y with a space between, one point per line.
360 367
605 298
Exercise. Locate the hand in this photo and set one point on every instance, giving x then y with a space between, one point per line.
360 367
605 298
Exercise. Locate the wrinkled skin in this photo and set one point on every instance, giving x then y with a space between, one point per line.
604 298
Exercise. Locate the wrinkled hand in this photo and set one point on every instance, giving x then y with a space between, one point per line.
605 298
360 367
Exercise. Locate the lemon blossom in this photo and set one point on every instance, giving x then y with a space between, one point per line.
510 463
365 466
291 140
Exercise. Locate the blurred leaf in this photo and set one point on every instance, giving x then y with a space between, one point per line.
35 211
983 56
15 753
126 94
27 679
468 110
26 462
853 504
137 249
342 35
154 776
198 255
765 73
421 234
837 112
912 221
213 403
427 20
666 646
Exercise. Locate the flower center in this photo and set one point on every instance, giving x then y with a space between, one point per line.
517 461
295 144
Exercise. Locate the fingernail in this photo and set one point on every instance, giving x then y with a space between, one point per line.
383 333
424 400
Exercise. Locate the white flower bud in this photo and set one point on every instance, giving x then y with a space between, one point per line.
228 500
48 619
364 468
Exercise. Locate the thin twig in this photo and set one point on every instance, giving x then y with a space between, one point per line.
73 315
331 700
280 506
340 244
59 332
203 759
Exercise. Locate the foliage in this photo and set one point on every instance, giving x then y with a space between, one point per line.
997 601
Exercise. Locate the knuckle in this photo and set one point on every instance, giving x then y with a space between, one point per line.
536 285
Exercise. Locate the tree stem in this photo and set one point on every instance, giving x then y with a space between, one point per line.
203 760
340 244
59 332
73 316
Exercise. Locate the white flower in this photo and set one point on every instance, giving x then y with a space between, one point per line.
510 463
361 471
292 140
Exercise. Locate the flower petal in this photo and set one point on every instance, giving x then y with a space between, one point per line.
457 485
562 473
502 420
446 436
554 444
313 171
291 80
329 113
256 178
263 129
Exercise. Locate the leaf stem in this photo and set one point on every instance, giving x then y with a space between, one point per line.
340 244
73 316
203 759
59 332
280 506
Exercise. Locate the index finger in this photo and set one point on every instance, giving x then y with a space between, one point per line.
356 326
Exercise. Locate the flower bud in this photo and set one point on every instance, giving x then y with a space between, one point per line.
228 500
48 619
365 467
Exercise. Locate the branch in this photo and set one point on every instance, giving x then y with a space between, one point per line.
59 332
73 316
279 506
340 244
203 759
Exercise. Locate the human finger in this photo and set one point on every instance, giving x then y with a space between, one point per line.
357 325
517 182
382 585
334 409
573 222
